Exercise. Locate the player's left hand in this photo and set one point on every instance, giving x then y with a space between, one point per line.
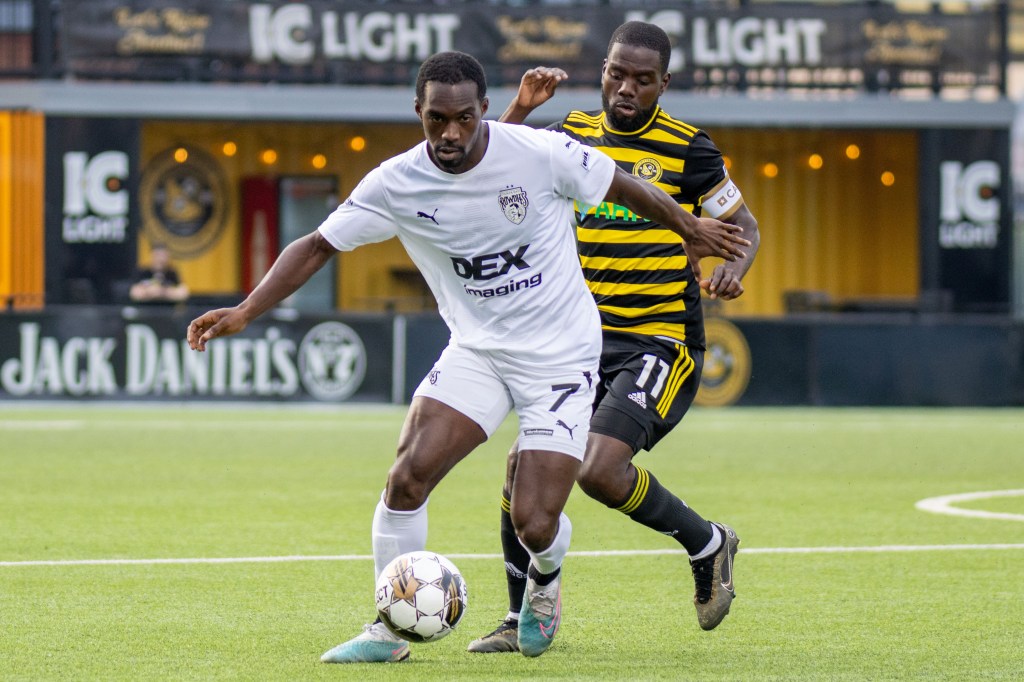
722 284
538 86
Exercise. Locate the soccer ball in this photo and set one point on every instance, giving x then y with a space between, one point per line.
421 596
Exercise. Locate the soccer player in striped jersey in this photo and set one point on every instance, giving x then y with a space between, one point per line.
648 293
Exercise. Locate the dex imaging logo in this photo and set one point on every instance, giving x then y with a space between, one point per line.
95 197
969 205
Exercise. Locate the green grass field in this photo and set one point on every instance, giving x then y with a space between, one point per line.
839 576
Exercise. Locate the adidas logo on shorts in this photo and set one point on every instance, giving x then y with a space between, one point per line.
640 398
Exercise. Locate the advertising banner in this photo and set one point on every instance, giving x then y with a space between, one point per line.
792 44
91 215
966 217
112 353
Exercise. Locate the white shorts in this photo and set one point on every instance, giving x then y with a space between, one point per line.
553 402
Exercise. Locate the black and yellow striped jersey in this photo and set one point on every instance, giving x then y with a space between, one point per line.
636 269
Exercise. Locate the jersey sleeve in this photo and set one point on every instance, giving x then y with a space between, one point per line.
580 172
717 195
363 218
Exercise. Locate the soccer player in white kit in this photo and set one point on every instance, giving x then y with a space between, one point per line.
484 210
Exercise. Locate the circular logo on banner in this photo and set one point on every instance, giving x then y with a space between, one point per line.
184 200
332 361
726 364
647 169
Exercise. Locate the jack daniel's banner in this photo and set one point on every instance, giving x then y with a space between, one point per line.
717 45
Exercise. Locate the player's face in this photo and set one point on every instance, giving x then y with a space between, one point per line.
631 83
452 116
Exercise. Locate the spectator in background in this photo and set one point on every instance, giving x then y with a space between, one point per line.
158 283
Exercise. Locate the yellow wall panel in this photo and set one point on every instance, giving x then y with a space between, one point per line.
21 210
364 280
836 230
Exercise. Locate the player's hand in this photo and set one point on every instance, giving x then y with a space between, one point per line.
715 238
722 284
538 86
694 260
216 323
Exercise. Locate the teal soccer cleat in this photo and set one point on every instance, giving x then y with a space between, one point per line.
376 645
541 616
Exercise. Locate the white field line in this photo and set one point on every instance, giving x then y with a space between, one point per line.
943 505
582 554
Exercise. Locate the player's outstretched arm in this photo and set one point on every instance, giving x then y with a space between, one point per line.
536 87
726 280
704 237
293 268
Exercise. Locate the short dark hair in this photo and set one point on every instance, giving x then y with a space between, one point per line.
642 34
451 68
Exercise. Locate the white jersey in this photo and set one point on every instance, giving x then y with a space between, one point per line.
496 244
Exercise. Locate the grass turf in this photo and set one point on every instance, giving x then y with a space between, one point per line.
99 482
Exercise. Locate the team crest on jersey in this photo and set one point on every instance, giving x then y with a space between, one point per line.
513 203
647 169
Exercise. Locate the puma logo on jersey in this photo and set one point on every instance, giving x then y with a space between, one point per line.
639 397
565 426
421 214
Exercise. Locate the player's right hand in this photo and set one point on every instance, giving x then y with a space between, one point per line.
211 325
718 239
538 86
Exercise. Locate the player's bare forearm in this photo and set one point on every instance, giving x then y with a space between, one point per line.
297 263
725 281
746 220
703 237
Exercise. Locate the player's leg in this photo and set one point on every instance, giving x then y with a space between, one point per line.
650 386
505 637
554 417
448 418
542 485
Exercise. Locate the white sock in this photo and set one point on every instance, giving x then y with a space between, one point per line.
513 616
395 533
713 544
549 560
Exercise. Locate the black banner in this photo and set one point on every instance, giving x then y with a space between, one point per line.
92 216
106 352
966 218
111 353
717 45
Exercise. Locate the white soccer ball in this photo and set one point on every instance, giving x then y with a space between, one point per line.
421 596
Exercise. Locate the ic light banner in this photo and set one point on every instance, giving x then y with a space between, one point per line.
966 221
92 212
791 44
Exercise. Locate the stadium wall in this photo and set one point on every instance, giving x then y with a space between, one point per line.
111 353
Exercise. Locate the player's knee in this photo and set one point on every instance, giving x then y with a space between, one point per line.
405 490
603 482
537 531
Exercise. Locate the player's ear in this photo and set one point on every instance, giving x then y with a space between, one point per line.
664 83
483 106
418 108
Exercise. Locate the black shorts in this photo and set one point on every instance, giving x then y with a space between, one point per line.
647 385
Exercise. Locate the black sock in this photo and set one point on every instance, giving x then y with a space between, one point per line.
517 559
653 505
543 579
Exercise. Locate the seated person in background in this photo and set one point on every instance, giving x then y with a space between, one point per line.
158 283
